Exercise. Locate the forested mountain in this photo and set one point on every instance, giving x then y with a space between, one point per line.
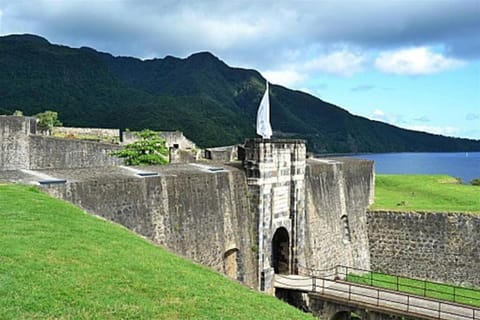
212 103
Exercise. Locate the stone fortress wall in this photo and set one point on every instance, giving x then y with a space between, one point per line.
442 247
195 212
338 191
101 133
208 212
274 212
22 148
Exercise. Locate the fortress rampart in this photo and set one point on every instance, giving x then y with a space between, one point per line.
211 212
22 148
443 247
201 214
273 212
337 193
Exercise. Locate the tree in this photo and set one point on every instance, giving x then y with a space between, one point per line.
47 120
149 149
476 182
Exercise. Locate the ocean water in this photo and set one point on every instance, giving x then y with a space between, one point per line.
464 165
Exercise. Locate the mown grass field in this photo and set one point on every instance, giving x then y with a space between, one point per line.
419 287
57 262
425 193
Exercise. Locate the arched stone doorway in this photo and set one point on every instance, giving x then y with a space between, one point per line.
230 263
281 251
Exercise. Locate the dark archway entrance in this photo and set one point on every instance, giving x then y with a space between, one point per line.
281 251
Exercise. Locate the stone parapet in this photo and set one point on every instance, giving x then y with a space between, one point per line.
22 148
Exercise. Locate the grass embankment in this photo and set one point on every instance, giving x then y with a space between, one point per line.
58 262
419 287
439 193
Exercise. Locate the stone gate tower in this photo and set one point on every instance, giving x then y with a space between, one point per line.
275 170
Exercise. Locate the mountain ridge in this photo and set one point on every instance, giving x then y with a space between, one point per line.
211 102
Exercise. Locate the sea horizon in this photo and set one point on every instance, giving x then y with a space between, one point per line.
463 165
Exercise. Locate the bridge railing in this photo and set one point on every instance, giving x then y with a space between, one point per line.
404 303
414 286
329 273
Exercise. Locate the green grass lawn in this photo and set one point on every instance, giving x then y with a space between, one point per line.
419 287
425 193
57 262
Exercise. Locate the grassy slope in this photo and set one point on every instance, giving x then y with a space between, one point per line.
57 262
425 193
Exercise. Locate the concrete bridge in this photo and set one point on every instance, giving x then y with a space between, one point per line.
335 299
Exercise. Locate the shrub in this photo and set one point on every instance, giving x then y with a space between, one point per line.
47 120
475 182
149 149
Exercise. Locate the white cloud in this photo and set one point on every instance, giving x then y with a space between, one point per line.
398 120
414 61
387 117
284 77
378 113
472 134
342 62
443 130
294 74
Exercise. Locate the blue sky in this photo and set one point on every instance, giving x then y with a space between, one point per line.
414 64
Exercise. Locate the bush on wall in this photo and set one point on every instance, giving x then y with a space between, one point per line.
149 149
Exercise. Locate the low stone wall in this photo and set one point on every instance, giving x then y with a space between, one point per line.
173 139
224 154
57 153
112 135
201 215
21 148
338 192
442 247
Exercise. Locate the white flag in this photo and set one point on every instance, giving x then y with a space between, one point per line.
263 117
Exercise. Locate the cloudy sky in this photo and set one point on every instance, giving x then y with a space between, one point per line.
412 63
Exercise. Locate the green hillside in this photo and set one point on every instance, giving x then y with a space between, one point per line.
56 262
212 103
438 193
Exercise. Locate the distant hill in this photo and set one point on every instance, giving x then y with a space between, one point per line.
212 103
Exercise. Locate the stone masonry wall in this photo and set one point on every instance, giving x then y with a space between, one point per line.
276 175
338 193
173 139
441 247
110 134
14 144
21 148
202 216
50 152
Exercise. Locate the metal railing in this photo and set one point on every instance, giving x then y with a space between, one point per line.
423 288
331 282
